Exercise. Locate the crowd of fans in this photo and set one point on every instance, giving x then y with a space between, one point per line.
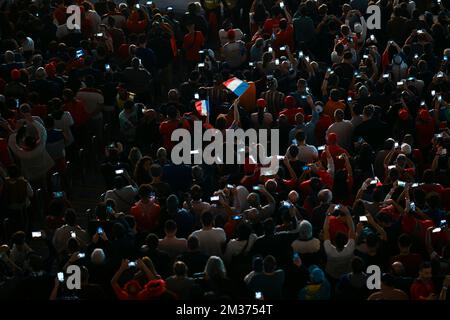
363 118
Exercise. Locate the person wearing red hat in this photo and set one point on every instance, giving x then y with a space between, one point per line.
261 118
336 151
291 109
403 114
234 51
14 89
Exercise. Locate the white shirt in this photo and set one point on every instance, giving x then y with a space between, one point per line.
310 246
223 35
124 197
211 240
307 153
173 246
235 247
64 124
344 132
338 262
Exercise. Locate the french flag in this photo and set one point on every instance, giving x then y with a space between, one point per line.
202 107
236 85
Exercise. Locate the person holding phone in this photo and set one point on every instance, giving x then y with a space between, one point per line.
146 211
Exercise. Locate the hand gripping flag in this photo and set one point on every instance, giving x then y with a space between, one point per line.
202 106
237 86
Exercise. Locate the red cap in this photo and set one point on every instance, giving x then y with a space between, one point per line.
403 114
15 74
50 69
231 34
261 103
289 102
332 138
424 115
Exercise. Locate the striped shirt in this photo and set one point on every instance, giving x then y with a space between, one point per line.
275 101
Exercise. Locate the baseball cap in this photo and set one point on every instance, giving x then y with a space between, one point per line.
403 114
261 103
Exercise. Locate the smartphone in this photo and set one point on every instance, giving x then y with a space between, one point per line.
282 5
196 96
399 83
237 217
277 62
391 167
258 295
201 65
99 230
270 50
365 56
305 168
412 206
131 264
401 183
436 230
420 31
295 256
81 255
443 223
100 34
60 276
251 64
321 148
440 74
283 48
287 204
138 6
328 69
109 209
396 145
307 58
415 185
36 234
107 67
422 103
374 181
149 3
73 234
337 207
445 58
433 93
363 219
349 99
58 194
439 98
120 171
386 76
416 56
230 186
372 37
256 188
214 198
79 53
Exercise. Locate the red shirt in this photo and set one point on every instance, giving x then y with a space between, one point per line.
4 153
321 128
285 38
336 226
271 25
425 133
166 129
77 110
146 216
192 43
335 152
290 114
420 290
39 110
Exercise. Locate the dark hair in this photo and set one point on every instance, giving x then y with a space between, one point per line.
70 217
144 191
152 241
340 240
207 219
170 226
196 192
243 231
192 243
155 170
270 264
180 269
18 238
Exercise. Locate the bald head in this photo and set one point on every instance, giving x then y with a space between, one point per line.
325 196
398 268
